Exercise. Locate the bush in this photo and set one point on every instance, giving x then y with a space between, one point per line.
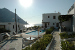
48 31
52 28
41 44
65 35
73 34
66 45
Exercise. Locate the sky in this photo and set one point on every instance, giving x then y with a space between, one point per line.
33 14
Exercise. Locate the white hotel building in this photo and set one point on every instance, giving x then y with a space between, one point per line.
50 19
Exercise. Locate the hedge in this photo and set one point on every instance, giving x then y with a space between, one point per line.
48 31
66 45
65 35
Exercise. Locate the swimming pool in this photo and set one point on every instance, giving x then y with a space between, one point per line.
35 32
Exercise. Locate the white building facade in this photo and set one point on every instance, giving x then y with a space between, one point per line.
12 26
72 11
49 20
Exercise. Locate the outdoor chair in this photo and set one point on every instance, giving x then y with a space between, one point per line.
13 36
8 35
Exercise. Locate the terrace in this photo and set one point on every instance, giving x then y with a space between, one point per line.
66 22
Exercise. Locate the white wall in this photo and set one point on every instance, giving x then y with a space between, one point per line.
67 24
74 19
71 12
10 26
50 19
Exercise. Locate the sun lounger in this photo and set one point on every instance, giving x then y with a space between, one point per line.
7 34
13 36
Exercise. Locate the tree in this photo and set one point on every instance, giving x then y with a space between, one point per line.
63 18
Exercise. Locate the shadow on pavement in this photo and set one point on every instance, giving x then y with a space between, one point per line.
5 42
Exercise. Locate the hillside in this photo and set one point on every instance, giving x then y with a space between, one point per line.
38 24
8 16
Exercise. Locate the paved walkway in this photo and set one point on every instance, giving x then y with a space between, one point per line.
12 44
56 41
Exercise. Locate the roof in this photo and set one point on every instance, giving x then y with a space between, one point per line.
67 15
52 13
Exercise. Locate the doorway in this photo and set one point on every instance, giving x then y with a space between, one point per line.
45 25
57 24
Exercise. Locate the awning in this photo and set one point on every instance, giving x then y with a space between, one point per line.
68 15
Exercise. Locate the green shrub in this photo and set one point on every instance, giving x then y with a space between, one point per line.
27 48
48 31
65 35
41 44
73 34
66 45
52 28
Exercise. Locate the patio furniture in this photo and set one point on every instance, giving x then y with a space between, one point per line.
13 36
30 38
7 34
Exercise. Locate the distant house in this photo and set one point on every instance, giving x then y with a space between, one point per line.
49 20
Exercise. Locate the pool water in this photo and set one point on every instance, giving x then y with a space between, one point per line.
35 32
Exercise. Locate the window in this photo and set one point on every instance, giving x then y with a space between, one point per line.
48 16
54 17
48 23
18 25
53 23
13 26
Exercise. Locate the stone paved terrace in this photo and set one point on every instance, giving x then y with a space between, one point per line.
16 43
13 44
56 41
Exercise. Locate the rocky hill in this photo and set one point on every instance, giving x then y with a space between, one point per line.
8 16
